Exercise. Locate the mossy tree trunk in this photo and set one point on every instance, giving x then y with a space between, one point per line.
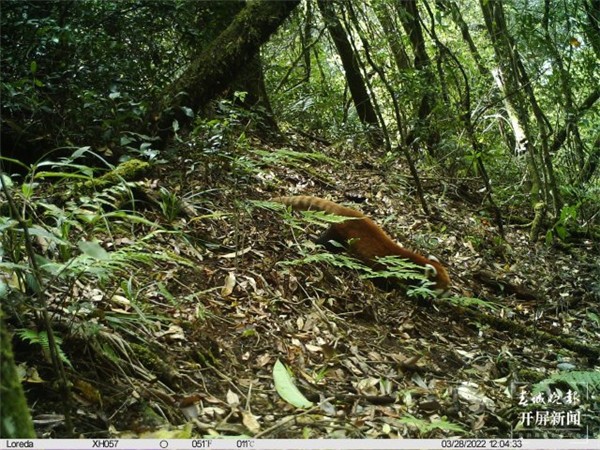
14 413
221 62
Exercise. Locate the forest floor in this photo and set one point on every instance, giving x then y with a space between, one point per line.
198 341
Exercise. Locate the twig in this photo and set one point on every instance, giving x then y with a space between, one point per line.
287 419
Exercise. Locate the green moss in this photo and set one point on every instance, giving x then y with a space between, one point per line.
15 420
129 170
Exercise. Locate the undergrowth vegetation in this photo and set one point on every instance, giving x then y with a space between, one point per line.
126 268
81 252
152 288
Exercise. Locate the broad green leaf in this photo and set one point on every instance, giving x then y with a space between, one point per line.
285 387
36 230
3 290
93 250
27 189
6 180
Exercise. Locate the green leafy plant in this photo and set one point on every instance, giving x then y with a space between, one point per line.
41 338
582 381
399 268
170 204
77 257
568 216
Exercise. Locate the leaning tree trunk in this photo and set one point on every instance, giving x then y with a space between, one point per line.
219 64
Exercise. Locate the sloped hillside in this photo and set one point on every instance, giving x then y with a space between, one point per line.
205 285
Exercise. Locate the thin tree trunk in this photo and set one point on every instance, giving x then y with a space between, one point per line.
392 35
423 129
478 149
506 77
401 145
360 96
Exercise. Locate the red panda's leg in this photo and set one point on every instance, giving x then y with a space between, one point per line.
332 241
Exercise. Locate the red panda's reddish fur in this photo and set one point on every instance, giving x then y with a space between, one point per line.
365 240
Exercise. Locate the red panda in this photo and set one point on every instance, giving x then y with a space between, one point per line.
364 239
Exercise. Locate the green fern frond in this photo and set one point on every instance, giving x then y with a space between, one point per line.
576 380
41 338
394 268
399 268
323 219
264 204
27 335
336 260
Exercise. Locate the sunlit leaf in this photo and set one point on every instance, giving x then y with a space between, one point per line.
93 250
285 387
